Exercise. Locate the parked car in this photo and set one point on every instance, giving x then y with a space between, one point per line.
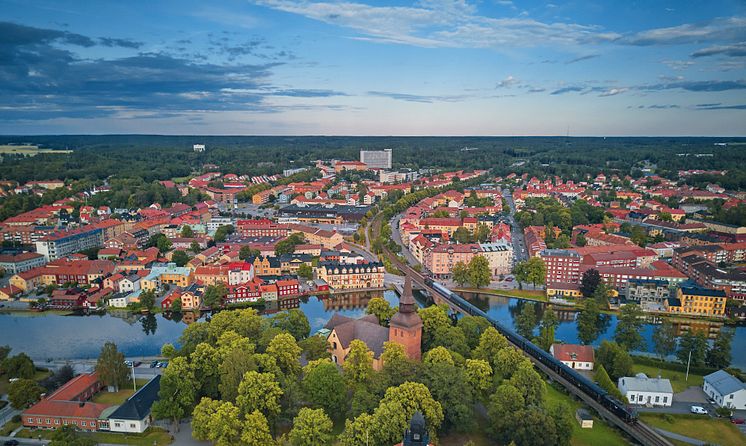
128 363
737 420
698 410
11 443
154 364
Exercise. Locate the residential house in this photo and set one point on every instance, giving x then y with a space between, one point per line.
133 416
641 390
578 357
726 390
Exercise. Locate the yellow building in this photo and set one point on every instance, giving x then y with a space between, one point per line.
697 302
563 290
169 274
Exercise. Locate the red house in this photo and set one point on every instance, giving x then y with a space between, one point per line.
69 405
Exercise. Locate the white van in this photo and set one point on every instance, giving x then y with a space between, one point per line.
698 410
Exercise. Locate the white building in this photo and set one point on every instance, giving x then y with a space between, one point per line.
578 357
499 255
377 159
199 147
641 390
216 222
726 390
133 416
129 284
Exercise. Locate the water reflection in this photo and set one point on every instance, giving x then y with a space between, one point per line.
506 310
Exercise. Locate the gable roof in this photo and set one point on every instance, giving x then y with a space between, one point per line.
137 407
365 329
724 383
573 352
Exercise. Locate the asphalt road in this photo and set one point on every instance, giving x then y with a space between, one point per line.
519 245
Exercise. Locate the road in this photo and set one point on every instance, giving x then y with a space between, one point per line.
519 244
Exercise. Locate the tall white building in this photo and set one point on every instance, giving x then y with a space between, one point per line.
377 159
199 147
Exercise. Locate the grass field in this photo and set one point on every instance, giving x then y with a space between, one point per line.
9 427
701 427
600 434
152 436
28 150
117 397
677 378
4 384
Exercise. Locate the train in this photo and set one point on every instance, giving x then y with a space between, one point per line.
587 386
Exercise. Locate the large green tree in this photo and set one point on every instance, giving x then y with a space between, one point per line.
381 308
312 427
23 393
293 321
664 339
111 368
460 273
259 391
177 394
694 342
719 356
588 322
526 321
479 272
324 387
630 322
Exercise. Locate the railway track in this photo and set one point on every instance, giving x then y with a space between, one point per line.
639 431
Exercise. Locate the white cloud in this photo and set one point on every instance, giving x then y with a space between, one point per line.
612 92
508 82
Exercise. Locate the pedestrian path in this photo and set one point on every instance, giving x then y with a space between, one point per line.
682 438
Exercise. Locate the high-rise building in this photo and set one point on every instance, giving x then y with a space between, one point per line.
377 159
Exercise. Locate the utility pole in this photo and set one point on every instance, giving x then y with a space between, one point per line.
687 366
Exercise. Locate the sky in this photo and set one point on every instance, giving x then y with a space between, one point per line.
362 67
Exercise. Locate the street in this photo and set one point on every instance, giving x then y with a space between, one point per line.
519 245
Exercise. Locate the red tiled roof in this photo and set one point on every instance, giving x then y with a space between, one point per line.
573 352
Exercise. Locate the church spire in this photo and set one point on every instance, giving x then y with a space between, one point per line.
406 302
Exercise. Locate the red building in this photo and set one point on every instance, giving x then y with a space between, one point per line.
261 228
563 265
69 405
289 287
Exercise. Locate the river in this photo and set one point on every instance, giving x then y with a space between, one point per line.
505 310
55 336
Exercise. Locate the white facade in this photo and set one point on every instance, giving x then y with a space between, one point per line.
217 222
499 256
129 426
641 390
129 284
377 159
726 390
120 302
199 147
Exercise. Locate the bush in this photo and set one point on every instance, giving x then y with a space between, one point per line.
668 418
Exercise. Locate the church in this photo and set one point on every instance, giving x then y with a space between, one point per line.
405 328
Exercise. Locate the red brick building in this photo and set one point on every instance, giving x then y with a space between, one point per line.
69 405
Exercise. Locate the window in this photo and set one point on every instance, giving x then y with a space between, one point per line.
30 420
665 399
83 423
657 398
57 421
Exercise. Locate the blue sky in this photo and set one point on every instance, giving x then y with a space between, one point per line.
430 67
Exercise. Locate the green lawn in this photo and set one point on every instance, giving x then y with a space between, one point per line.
677 378
153 436
600 434
117 397
701 427
4 384
9 427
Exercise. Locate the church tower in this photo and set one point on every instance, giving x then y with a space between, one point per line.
405 327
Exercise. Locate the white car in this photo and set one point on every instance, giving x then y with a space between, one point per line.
698 410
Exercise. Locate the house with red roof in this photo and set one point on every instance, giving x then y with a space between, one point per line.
578 357
69 405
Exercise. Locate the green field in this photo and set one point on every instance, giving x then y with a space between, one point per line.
600 434
28 149
151 437
40 374
701 427
677 378
118 397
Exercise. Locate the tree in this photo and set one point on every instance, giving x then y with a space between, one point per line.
549 323
180 258
719 356
247 253
168 350
580 240
205 361
520 272
222 233
256 431
159 241
460 273
479 271
324 386
602 378
462 235
507 362
472 327
23 393
536 271
147 299
305 271
627 333
490 343
288 245
589 282
214 295
602 294
236 361
187 232
529 383
259 391
67 435
526 320
397 367
381 308
176 305
19 366
664 339
315 347
588 322
478 374
286 353
177 393
615 359
639 236
310 428
449 386
434 319
217 421
111 368
194 246
503 411
293 321
358 367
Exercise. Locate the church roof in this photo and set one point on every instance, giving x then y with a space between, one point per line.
407 316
